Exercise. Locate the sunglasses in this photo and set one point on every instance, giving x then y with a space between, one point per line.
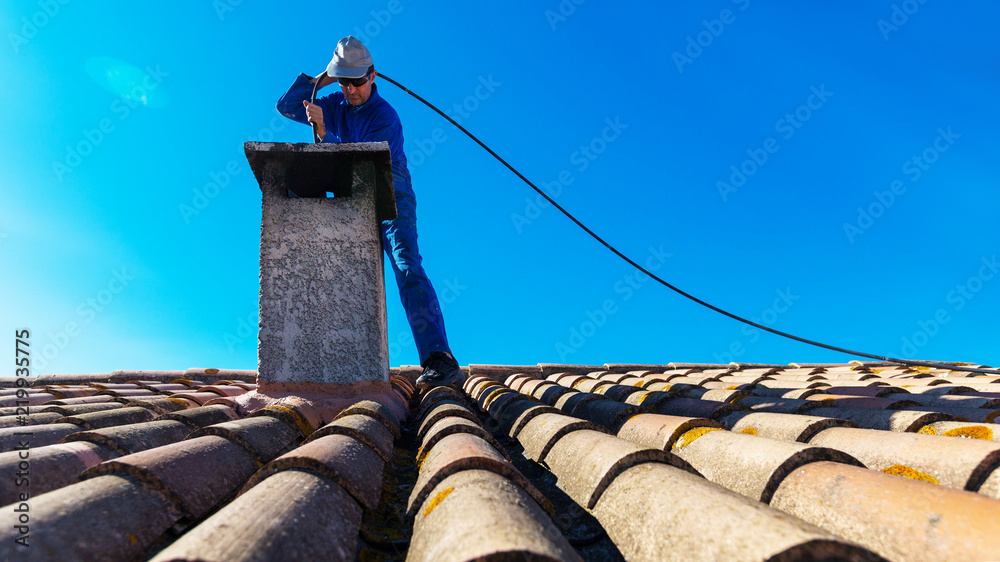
356 82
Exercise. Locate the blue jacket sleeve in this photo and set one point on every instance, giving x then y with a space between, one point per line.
290 104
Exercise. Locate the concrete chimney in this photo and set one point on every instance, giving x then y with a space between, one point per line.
322 290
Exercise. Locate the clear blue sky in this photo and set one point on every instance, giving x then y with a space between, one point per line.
872 223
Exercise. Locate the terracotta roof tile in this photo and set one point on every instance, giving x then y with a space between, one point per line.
981 415
937 390
202 416
543 431
68 392
655 511
551 393
32 399
498 372
37 436
550 368
515 415
787 427
750 465
489 437
75 409
198 398
479 515
108 418
51 467
223 390
952 400
441 410
860 402
898 518
587 461
889 420
128 439
263 437
956 463
659 385
435 395
365 429
784 385
481 386
741 378
500 401
451 426
515 381
871 391
619 392
660 431
648 400
293 515
528 386
568 402
121 518
778 405
970 430
30 419
728 395
693 408
459 452
608 413
555 376
617 377
195 474
349 463
157 404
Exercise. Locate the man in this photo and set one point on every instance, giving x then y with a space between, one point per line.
358 114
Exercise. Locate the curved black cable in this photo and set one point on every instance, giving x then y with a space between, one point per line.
668 285
313 100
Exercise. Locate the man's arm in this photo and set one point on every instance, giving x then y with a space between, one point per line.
295 105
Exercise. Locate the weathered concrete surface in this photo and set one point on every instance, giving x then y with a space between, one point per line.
322 291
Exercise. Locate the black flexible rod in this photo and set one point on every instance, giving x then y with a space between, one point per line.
908 362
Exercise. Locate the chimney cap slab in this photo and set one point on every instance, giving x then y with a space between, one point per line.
315 169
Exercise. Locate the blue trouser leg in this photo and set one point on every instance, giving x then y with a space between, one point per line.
399 239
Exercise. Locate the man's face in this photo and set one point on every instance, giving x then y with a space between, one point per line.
357 95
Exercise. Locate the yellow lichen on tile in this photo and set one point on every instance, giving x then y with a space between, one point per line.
911 473
211 371
749 430
971 432
437 499
927 430
300 421
490 400
632 417
689 436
